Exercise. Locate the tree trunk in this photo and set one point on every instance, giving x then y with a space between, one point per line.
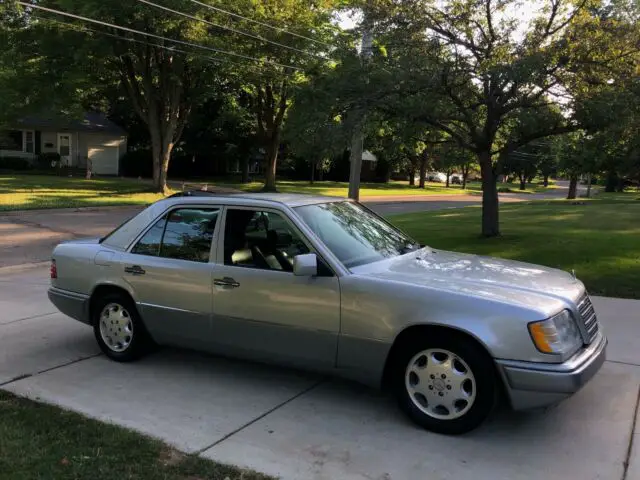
523 182
321 175
611 182
244 165
423 170
270 163
448 177
545 182
313 172
589 186
161 151
490 206
573 187
465 175
412 176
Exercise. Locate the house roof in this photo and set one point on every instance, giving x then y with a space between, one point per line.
88 122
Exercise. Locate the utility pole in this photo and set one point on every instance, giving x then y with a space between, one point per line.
357 140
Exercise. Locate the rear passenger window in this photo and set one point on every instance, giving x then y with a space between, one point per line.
149 244
185 234
188 234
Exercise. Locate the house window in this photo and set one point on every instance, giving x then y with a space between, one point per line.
28 141
11 140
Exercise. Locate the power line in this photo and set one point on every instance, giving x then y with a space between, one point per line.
239 32
277 29
152 35
83 29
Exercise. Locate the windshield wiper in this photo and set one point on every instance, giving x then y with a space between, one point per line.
409 247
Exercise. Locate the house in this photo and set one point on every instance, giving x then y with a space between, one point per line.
92 138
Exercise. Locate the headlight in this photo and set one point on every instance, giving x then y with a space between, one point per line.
558 334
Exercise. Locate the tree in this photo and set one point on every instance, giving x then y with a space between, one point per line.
486 74
163 79
272 89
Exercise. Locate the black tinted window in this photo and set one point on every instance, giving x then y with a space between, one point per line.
260 240
188 234
149 244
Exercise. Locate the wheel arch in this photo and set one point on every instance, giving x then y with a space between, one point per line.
102 289
412 331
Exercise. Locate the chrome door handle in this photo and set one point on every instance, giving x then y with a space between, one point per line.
226 282
135 270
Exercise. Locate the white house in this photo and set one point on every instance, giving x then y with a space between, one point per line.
91 138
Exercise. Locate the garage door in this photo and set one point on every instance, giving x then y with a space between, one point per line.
104 160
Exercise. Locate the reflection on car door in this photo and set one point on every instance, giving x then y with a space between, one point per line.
260 309
170 272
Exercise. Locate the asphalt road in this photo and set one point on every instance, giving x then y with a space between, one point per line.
29 236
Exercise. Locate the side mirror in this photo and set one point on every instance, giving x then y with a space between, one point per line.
305 265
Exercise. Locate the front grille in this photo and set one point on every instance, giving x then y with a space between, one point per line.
589 318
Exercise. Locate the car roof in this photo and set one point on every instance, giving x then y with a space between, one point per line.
127 232
257 198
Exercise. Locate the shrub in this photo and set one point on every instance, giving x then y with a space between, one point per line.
137 163
14 163
47 159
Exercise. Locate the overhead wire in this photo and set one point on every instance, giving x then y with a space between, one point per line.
83 28
257 22
153 35
224 27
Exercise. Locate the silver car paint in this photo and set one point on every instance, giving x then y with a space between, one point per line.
345 324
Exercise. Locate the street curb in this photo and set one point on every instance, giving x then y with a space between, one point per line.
22 267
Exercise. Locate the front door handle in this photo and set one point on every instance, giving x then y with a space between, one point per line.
226 282
135 270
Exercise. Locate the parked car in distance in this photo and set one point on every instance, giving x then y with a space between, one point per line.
436 177
455 179
327 285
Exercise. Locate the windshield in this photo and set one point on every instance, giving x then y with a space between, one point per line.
354 234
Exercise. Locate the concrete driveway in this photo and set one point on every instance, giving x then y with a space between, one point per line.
300 426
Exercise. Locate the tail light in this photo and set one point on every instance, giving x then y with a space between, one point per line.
53 269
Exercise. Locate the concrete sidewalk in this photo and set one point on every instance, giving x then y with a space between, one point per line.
300 426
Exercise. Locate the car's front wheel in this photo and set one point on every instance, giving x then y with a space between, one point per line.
446 384
118 328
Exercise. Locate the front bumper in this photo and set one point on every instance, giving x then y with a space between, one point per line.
75 305
533 385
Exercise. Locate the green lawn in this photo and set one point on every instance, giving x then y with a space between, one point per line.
600 239
21 192
39 441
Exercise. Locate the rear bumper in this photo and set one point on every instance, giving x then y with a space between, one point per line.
75 305
533 385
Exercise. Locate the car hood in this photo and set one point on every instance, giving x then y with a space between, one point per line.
498 279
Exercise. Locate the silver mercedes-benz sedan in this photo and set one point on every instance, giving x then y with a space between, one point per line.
327 285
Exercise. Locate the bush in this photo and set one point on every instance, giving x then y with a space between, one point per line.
46 159
14 163
137 163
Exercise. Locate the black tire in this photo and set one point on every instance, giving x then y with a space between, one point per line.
140 342
481 366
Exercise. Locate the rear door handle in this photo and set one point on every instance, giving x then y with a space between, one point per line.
226 282
135 270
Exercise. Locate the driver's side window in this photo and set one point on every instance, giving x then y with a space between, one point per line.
257 239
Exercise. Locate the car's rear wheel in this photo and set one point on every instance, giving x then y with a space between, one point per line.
446 384
118 328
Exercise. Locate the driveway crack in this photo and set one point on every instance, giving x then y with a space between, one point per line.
627 460
46 370
260 417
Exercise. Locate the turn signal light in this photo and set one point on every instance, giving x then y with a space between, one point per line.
53 269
